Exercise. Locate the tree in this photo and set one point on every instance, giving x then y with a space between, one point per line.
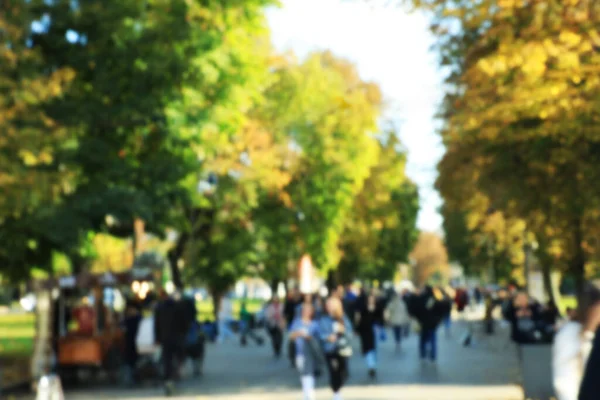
146 81
29 137
431 259
326 112
524 85
381 230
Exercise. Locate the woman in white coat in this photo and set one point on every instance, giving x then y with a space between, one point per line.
398 317
572 346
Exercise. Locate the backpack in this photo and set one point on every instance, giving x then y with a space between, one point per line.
193 334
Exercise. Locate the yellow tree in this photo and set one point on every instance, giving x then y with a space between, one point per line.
430 259
524 87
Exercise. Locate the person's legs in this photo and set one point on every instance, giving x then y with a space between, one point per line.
342 376
278 342
433 345
308 387
371 359
224 331
397 329
168 358
252 333
292 352
244 333
447 324
423 344
336 371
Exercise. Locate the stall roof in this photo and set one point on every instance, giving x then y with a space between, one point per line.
87 279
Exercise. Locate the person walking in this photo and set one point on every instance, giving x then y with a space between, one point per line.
293 300
429 311
461 299
408 297
131 323
275 324
368 320
576 352
169 333
304 333
335 330
319 308
247 327
397 316
448 295
225 319
195 341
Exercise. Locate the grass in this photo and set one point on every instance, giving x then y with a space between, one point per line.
18 330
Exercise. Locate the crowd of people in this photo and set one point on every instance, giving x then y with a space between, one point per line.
157 344
319 331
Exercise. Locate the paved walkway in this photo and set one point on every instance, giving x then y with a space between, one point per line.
487 371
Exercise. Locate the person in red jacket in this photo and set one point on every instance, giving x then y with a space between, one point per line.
461 299
85 316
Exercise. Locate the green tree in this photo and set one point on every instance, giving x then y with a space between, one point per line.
381 230
147 83
327 114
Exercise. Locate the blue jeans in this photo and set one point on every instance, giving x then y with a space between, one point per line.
428 339
398 332
371 359
380 334
447 324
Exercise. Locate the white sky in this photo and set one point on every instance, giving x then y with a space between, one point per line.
390 47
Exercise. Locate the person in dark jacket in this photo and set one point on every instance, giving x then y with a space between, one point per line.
131 323
524 316
169 332
368 318
429 309
292 302
194 345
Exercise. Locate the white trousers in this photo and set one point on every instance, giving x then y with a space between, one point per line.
308 387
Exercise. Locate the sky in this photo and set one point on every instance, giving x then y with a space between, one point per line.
390 47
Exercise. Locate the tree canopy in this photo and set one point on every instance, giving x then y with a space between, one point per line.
519 120
179 117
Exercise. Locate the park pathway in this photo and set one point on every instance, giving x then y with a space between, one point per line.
487 371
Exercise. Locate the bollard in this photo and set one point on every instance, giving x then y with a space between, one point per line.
49 388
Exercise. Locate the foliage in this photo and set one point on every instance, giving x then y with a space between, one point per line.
328 116
120 150
381 229
520 112
430 259
111 112
29 137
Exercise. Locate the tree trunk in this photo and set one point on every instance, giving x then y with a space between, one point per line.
577 265
274 286
174 268
174 255
547 279
216 299
78 263
331 281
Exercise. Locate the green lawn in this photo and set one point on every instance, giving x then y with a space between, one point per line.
18 330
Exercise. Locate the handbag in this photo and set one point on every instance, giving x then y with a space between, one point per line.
343 346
